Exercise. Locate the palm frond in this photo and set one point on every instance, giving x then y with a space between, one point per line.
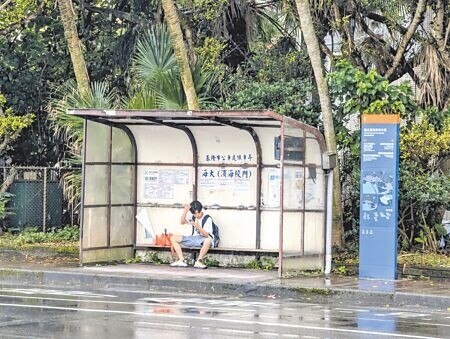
154 56
141 99
170 92
66 96
71 181
434 77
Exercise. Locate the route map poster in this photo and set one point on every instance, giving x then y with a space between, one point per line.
379 196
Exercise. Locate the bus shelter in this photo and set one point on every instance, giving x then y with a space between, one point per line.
259 174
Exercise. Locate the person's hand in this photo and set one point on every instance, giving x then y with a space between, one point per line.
196 224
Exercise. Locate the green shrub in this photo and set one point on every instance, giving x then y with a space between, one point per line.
32 235
135 260
153 258
263 263
211 262
4 199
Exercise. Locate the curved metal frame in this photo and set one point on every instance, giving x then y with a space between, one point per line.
219 117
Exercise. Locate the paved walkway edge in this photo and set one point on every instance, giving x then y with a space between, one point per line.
271 289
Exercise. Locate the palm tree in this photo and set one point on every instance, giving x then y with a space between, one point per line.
68 18
176 35
156 84
156 75
312 45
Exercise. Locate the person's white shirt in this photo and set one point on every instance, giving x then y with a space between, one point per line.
207 226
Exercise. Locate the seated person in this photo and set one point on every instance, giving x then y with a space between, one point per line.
202 234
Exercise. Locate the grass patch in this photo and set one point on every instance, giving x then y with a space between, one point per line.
264 263
211 262
414 259
65 240
134 260
418 259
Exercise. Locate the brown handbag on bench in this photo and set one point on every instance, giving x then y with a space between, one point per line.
163 239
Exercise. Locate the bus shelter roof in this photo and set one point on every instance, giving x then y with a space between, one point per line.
237 118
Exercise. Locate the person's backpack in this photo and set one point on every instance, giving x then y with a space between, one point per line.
215 231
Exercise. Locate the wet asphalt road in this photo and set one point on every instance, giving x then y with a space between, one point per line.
27 312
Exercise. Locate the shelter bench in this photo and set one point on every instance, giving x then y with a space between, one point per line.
193 251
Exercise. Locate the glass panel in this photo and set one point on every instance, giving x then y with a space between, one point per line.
122 187
122 149
293 187
122 223
315 189
97 139
96 185
293 179
314 233
95 227
313 154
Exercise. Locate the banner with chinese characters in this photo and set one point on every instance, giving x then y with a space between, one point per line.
379 196
225 178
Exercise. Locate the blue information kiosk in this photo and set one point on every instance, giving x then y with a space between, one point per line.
379 196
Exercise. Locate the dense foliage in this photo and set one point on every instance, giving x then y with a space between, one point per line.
278 78
243 55
424 187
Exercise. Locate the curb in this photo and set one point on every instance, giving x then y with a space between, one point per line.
408 271
321 295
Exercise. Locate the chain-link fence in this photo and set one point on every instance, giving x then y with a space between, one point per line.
38 199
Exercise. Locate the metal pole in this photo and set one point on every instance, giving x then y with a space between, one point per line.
280 240
44 203
329 222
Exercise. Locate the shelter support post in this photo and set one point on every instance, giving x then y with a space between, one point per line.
329 222
329 162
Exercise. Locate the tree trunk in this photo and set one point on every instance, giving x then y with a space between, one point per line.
312 45
176 36
417 19
68 18
8 180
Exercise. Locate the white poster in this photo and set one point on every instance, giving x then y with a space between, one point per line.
181 177
144 220
159 184
273 196
293 188
151 184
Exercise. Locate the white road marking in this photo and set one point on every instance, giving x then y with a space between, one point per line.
57 292
228 303
350 309
211 319
227 309
230 330
269 334
404 314
161 325
432 324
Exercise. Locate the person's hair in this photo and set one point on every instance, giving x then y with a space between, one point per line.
196 206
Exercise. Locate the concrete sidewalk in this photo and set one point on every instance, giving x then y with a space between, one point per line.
238 282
